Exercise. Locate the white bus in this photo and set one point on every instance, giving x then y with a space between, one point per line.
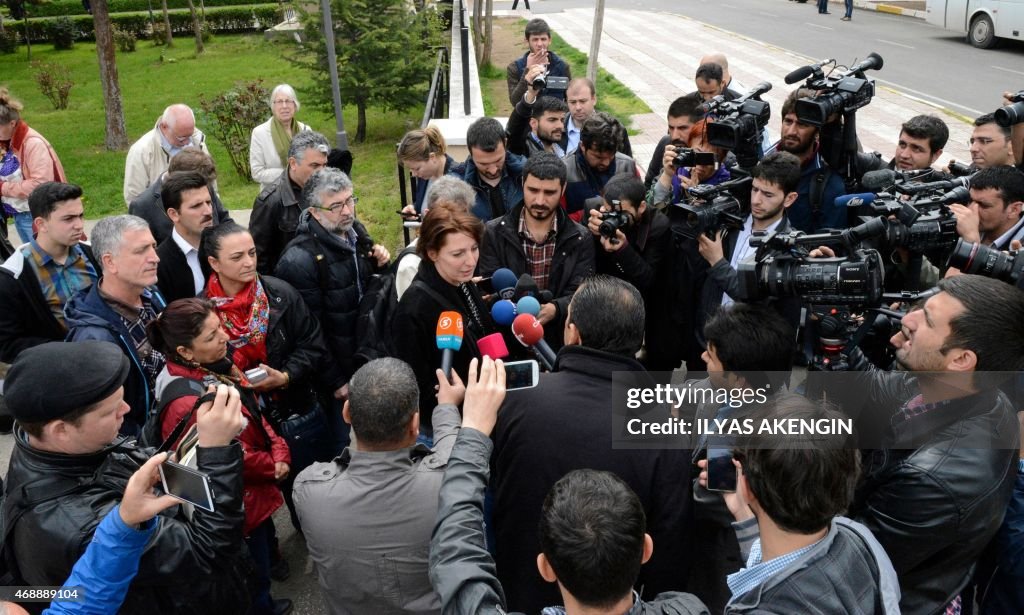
984 21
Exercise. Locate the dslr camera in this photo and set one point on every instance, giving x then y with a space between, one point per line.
989 262
612 221
1011 114
689 157
711 209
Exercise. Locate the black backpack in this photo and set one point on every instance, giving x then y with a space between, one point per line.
177 388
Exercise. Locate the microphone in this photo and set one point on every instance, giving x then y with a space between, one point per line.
806 71
504 282
449 339
944 184
528 305
855 200
758 89
530 333
493 346
526 286
873 61
503 312
878 180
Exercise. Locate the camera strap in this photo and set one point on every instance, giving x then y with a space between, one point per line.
179 428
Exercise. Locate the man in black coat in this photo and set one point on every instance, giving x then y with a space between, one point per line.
539 239
69 469
275 213
149 205
39 277
330 262
565 423
186 197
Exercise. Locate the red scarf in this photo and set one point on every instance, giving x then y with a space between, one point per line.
240 322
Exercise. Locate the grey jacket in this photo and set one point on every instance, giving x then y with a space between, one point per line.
462 570
367 518
847 572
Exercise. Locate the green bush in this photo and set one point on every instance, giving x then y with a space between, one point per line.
57 8
231 116
62 33
124 39
8 41
220 20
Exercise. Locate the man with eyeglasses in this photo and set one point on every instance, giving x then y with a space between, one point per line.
149 157
990 144
330 262
276 211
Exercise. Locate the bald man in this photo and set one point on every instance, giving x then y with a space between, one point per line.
149 156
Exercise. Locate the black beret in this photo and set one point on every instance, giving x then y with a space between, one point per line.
50 381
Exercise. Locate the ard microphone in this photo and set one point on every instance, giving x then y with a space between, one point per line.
855 200
503 312
530 333
492 346
449 339
504 282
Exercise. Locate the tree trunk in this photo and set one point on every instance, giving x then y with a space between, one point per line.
28 39
169 41
478 22
116 136
361 124
196 28
488 29
595 41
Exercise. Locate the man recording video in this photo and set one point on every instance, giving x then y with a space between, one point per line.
993 216
936 487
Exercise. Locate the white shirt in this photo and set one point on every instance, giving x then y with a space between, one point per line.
574 134
191 257
743 251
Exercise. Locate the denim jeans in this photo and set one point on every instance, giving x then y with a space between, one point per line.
822 6
23 223
261 544
849 8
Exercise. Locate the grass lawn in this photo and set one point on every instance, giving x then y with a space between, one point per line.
612 96
153 78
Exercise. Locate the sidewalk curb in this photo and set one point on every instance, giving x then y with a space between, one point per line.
881 7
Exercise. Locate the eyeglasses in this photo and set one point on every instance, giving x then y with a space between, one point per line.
333 207
284 101
184 139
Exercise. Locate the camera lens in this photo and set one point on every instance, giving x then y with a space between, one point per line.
1010 115
983 260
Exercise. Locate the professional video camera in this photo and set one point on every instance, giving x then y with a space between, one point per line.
711 209
740 123
1011 114
989 262
843 93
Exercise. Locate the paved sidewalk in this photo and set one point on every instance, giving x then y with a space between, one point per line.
631 50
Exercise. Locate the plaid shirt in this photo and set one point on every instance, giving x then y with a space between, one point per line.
135 320
757 572
59 281
538 255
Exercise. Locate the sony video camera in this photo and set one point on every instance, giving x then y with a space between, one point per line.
711 209
739 122
840 94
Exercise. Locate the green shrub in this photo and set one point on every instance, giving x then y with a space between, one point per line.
124 39
8 41
231 116
56 8
62 33
54 82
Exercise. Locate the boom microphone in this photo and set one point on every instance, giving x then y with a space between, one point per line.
449 339
878 180
504 282
873 61
530 333
806 71
855 200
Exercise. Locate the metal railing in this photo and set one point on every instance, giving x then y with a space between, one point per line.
464 47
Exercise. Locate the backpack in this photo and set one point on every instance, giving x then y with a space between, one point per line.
177 388
376 309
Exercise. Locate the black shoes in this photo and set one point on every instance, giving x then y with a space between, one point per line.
280 570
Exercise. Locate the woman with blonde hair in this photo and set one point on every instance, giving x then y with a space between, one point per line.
424 154
268 148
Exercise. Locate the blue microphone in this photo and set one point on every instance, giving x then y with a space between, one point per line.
528 305
504 282
856 200
503 312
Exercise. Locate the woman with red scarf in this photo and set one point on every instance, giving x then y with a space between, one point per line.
26 160
190 335
270 327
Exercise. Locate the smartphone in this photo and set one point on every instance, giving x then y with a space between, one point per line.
186 484
256 375
486 286
721 471
521 375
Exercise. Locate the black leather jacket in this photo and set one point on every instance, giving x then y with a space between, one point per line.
936 495
55 502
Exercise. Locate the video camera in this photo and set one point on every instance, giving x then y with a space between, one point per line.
841 94
546 81
688 157
711 209
1011 114
739 122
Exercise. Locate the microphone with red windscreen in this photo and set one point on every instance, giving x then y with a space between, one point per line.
492 346
449 339
530 333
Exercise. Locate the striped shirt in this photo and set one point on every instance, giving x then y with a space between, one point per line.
59 281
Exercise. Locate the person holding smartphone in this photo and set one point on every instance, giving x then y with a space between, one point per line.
790 492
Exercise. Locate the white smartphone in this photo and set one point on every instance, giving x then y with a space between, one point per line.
521 375
187 484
